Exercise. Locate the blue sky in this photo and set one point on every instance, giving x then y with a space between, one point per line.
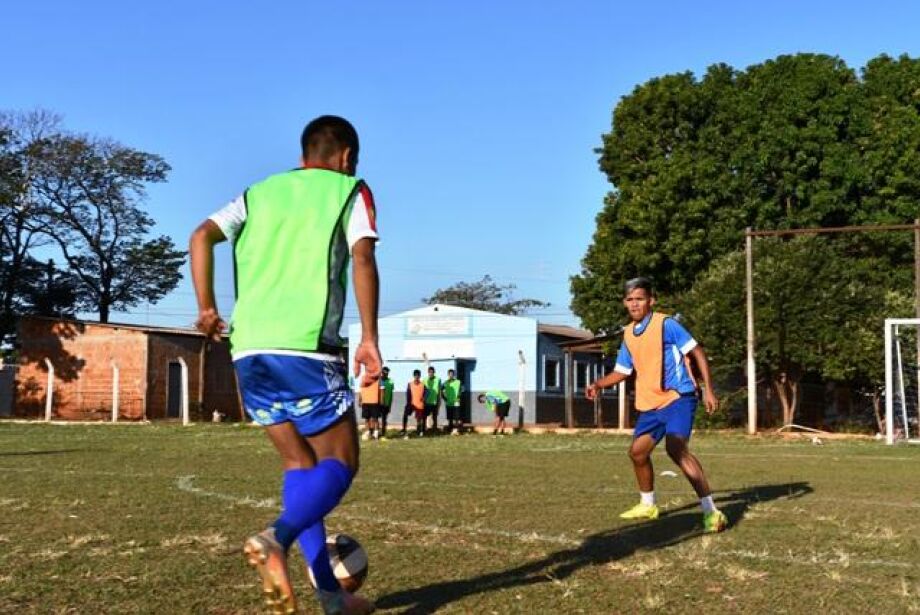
478 119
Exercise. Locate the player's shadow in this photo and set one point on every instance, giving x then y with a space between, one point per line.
674 526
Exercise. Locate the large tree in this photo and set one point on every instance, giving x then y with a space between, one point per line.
485 295
88 191
797 141
817 312
695 162
20 229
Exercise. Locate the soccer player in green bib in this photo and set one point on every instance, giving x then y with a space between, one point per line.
432 398
500 404
450 391
386 400
293 235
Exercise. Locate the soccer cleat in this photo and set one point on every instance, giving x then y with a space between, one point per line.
264 553
713 522
343 603
641 511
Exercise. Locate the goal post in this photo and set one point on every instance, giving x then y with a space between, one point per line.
902 380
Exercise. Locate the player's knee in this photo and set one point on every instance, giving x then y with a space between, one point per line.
638 455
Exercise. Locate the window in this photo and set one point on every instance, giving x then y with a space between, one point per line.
581 375
550 373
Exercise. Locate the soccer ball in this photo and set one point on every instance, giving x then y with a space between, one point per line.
348 559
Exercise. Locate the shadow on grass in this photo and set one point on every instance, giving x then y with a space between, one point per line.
674 526
29 453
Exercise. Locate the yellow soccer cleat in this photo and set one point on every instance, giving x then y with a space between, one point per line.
264 553
641 511
714 522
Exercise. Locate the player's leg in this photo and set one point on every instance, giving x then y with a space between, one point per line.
267 551
407 412
384 414
677 443
338 447
646 435
434 418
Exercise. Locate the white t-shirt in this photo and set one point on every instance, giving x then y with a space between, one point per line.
361 223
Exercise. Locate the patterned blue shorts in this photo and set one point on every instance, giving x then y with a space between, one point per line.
311 393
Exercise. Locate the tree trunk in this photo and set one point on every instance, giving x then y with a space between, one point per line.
877 407
103 311
787 392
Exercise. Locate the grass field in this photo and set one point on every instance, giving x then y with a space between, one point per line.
149 519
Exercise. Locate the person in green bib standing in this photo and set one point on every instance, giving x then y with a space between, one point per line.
293 236
450 392
432 398
500 404
386 400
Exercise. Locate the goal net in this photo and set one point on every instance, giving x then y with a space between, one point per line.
902 374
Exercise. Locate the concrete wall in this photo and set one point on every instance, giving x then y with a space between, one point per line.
486 347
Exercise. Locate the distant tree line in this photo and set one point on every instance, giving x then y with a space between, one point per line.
798 141
73 236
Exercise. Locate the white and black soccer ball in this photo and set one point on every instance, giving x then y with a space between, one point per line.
348 559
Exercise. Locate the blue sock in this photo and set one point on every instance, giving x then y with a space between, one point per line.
308 495
313 544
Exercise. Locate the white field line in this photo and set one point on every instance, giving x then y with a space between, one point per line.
186 483
823 455
456 485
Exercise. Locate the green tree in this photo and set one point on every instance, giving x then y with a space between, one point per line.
89 190
20 231
484 295
695 162
817 312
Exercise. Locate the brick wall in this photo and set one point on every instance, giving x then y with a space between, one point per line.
82 356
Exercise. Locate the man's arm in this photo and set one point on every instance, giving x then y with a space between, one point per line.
611 379
201 254
702 365
367 295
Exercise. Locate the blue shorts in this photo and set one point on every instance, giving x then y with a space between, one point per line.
676 418
310 392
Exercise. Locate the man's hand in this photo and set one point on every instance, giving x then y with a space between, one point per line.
592 391
367 354
211 324
712 404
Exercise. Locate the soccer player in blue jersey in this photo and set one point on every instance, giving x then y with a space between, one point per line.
656 347
293 235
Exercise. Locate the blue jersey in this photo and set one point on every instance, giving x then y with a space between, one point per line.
677 344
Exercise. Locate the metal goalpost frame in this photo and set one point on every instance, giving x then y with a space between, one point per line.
749 235
894 360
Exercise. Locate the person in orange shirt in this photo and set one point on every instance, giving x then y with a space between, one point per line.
656 347
415 404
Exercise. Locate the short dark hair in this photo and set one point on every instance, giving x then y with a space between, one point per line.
431 369
481 397
450 371
640 282
385 369
416 372
326 136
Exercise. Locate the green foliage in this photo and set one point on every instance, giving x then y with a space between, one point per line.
797 141
84 193
792 142
484 295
